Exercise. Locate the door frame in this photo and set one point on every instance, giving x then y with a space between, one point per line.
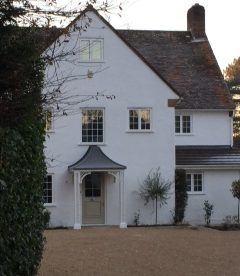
103 197
78 176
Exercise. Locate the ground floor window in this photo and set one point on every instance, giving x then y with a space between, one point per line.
194 182
47 189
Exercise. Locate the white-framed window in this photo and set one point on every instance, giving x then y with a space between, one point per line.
48 117
48 189
92 125
194 181
139 119
183 124
91 50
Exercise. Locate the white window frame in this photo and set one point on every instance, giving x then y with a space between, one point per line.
91 41
92 108
140 109
181 124
192 173
52 181
51 129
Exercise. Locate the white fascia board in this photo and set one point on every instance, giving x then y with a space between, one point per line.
203 110
211 167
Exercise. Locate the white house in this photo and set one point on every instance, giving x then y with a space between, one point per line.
171 109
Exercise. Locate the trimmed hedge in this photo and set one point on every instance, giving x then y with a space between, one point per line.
22 167
22 215
181 195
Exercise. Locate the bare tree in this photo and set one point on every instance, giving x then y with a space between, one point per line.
37 21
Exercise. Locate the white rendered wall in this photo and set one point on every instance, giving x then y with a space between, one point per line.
217 185
134 85
208 128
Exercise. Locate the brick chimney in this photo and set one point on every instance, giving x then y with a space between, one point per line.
196 21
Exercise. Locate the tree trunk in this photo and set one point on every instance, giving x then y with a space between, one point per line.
156 210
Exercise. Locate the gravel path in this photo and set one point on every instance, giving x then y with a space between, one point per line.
141 251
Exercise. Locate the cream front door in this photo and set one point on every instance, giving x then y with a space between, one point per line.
93 199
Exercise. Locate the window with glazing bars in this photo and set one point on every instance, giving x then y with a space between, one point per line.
194 182
47 189
139 119
91 50
183 124
92 125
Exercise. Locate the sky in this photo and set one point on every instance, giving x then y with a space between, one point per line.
222 21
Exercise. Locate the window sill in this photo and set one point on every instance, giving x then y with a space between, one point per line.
49 205
92 61
91 144
196 193
139 131
184 134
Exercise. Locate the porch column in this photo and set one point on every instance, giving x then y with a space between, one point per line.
77 201
123 223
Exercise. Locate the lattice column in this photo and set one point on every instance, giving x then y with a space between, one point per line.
78 179
77 222
123 223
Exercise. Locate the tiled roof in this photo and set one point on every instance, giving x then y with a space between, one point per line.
95 159
207 156
188 65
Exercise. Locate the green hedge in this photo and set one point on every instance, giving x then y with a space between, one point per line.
181 195
22 167
22 215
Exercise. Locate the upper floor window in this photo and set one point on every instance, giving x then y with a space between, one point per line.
194 182
47 189
91 50
183 124
92 125
139 119
48 117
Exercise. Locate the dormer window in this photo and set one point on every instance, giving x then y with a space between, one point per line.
91 50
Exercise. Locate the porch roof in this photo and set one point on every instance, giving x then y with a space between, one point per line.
95 159
207 156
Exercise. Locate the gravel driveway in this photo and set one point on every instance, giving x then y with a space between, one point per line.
141 251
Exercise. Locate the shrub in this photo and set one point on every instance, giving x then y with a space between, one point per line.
136 219
236 192
208 209
181 196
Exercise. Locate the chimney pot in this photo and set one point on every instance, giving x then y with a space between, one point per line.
196 21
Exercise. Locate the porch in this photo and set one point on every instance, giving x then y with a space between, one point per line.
90 176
